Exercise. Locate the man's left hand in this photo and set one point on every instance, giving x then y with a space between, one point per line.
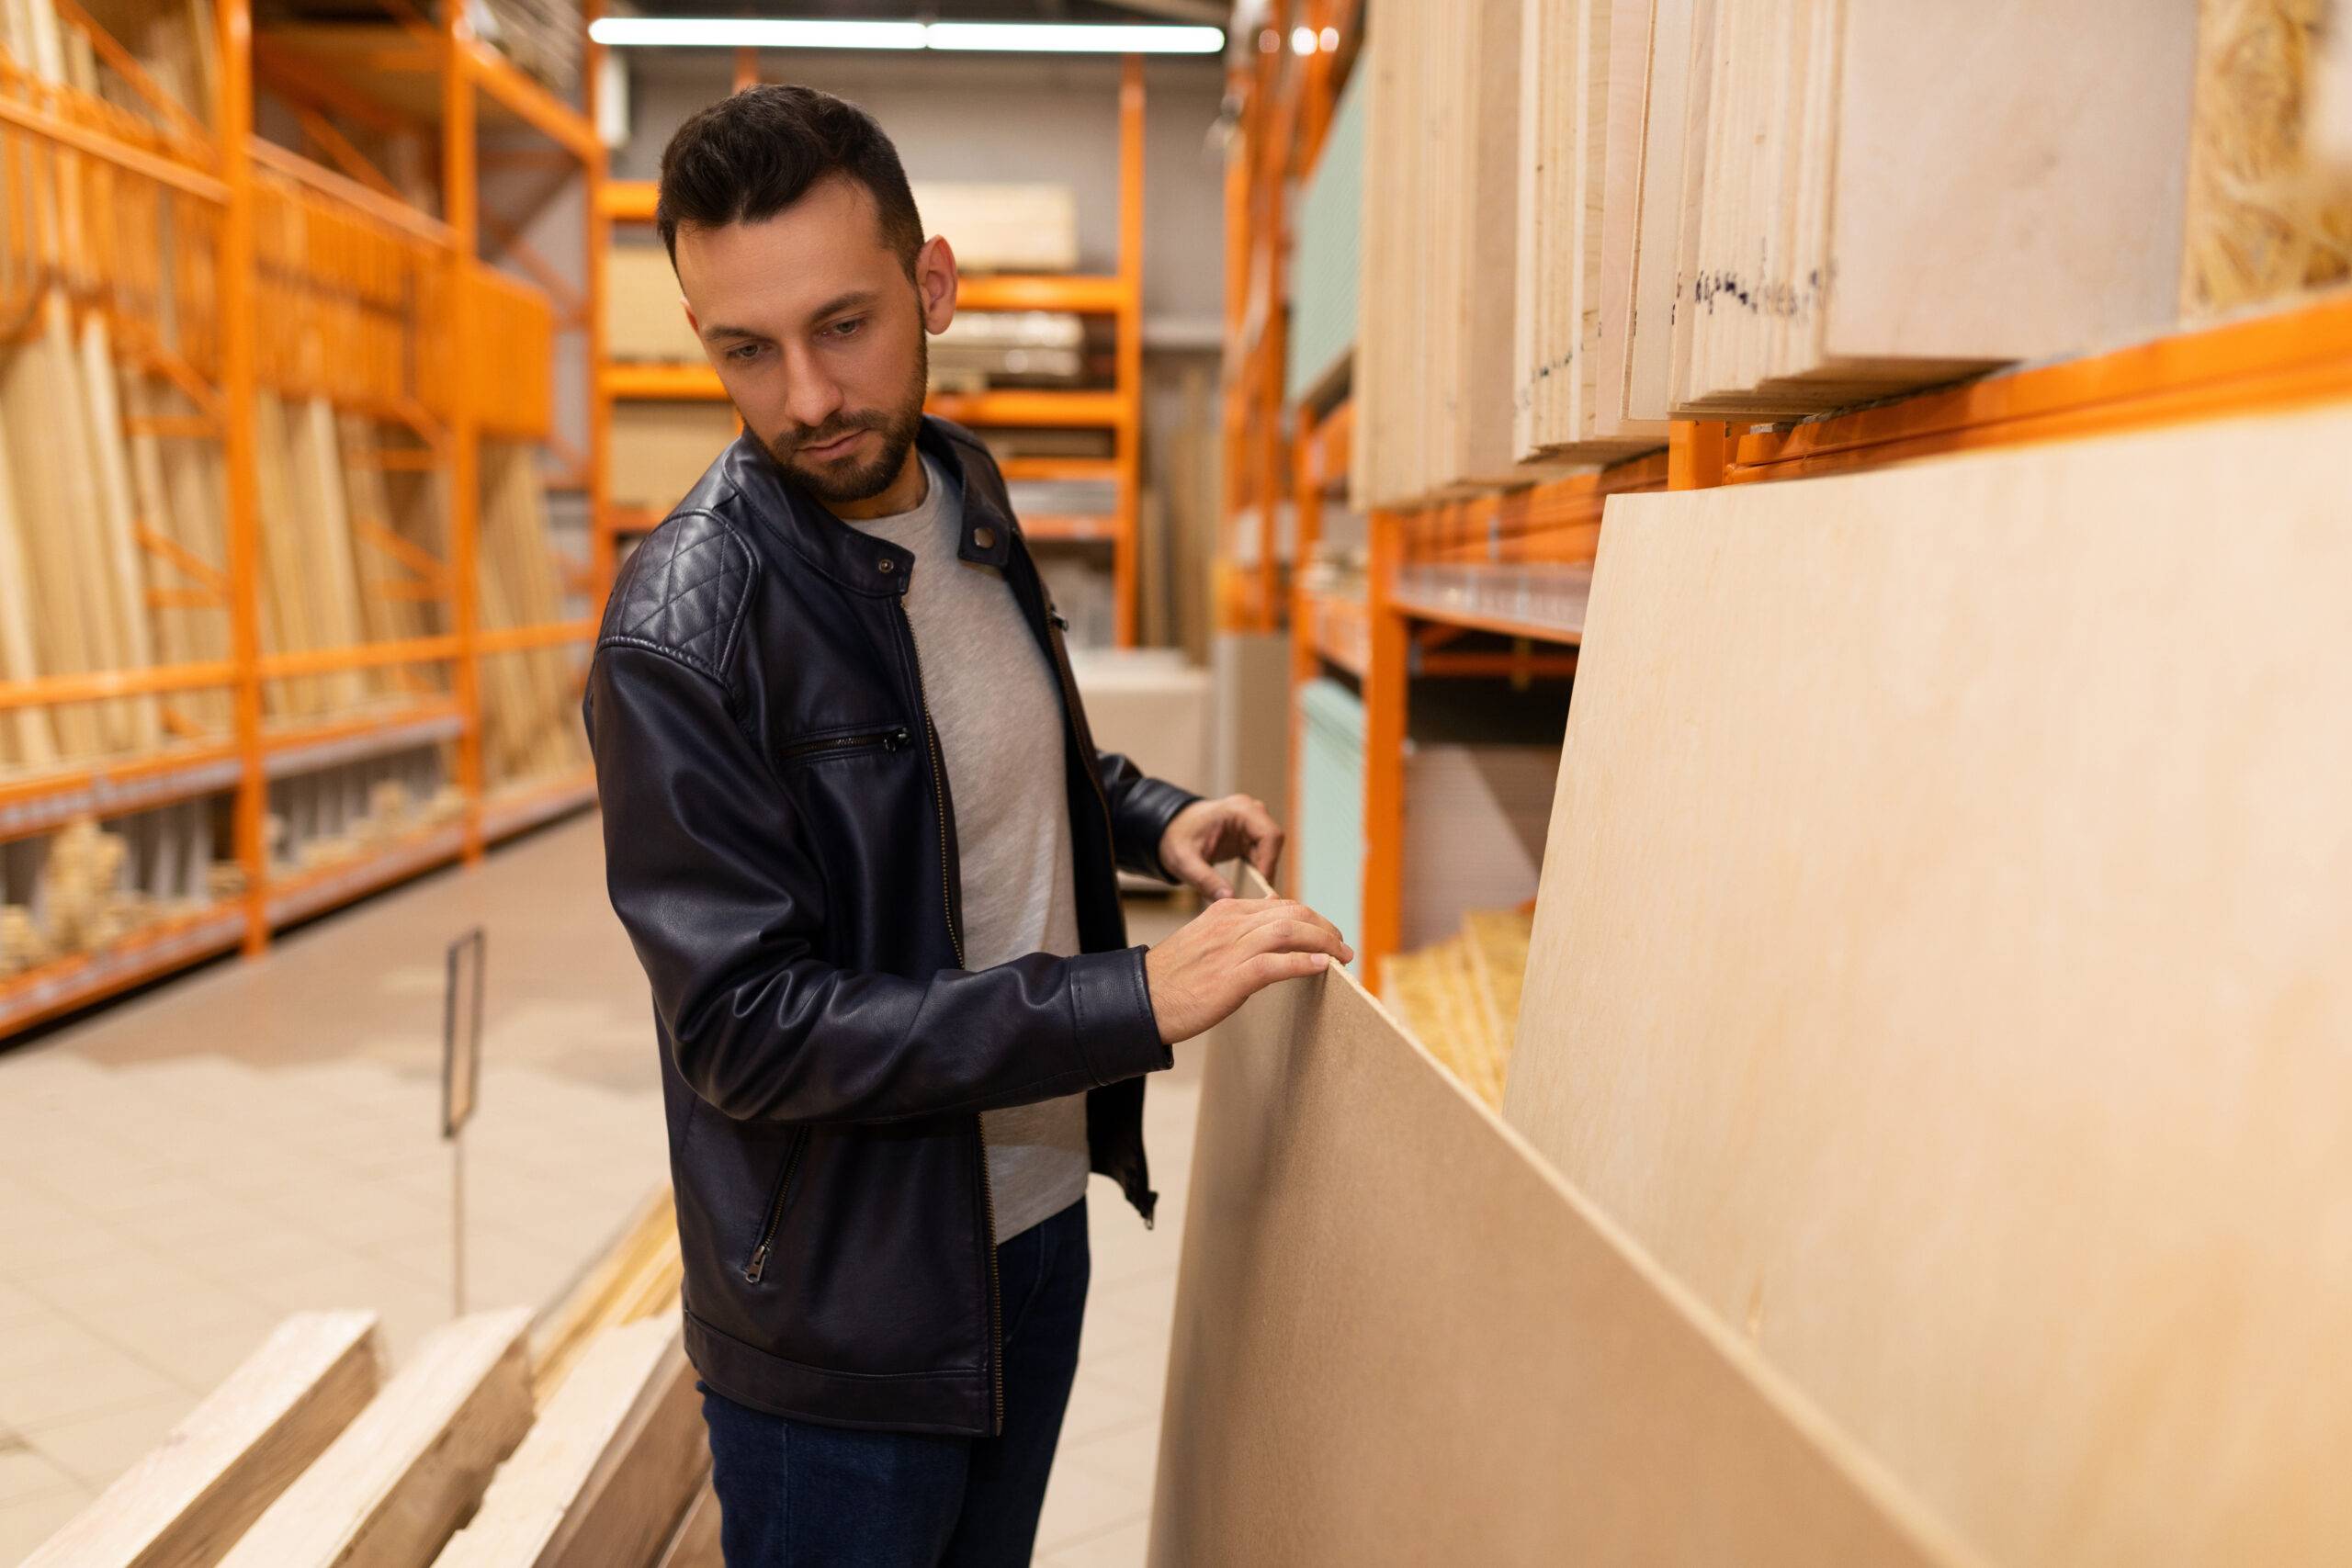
1208 831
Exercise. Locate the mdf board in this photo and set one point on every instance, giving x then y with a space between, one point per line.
645 317
413 1465
186 1503
658 450
1940 969
607 1470
1003 227
1400 1339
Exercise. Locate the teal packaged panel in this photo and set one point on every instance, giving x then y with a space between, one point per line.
1328 252
1329 829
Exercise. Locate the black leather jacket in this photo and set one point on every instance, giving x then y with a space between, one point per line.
781 846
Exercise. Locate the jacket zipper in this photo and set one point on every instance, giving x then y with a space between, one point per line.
955 939
759 1263
888 739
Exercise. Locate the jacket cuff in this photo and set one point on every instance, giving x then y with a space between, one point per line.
1118 1036
1152 806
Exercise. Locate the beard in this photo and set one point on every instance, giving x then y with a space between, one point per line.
846 481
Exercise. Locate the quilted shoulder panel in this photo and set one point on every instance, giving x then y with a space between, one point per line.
683 592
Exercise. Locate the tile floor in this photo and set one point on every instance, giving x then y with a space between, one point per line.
179 1171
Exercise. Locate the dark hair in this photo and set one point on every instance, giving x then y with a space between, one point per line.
750 156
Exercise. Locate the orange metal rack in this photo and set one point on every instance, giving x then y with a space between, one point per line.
1119 409
420 76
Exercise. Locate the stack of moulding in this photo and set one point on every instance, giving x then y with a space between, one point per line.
1328 258
82 585
1878 198
398 525
2270 169
530 726
1942 978
1582 96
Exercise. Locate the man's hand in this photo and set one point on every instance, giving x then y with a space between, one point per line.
1228 952
1208 831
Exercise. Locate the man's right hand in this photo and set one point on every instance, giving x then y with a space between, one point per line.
1228 952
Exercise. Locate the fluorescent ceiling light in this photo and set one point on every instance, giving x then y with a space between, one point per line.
1026 37
1075 38
756 33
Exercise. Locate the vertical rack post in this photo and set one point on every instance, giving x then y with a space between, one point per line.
459 206
233 120
602 561
1129 432
1386 691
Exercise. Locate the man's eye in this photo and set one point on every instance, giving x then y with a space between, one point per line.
744 352
846 329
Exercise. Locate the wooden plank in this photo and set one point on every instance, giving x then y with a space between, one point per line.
1400 1339
396 1484
607 1470
697 1543
183 1503
1941 974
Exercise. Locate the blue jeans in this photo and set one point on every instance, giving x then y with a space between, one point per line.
793 1493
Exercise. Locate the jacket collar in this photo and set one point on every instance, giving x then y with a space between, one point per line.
853 559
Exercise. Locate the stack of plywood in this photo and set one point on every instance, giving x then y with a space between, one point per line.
1597 214
480 1452
1433 388
1879 196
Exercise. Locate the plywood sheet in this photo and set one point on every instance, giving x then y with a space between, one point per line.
1399 1338
1940 969
2061 232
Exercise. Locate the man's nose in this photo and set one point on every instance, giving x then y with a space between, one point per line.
811 397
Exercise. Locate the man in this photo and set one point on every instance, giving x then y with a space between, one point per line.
867 853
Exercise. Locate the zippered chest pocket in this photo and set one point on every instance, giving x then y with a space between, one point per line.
828 745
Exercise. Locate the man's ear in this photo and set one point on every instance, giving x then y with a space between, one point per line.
935 284
692 324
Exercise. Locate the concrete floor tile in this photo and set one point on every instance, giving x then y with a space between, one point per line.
1080 1504
90 1384
26 1472
1098 1406
1127 1456
1122 1546
28 1521
96 1448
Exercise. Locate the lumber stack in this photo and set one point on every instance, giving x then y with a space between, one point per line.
530 722
1460 996
84 888
482 1450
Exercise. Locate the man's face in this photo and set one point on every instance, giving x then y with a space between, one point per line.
819 335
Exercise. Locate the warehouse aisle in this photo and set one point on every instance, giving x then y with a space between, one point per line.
181 1170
